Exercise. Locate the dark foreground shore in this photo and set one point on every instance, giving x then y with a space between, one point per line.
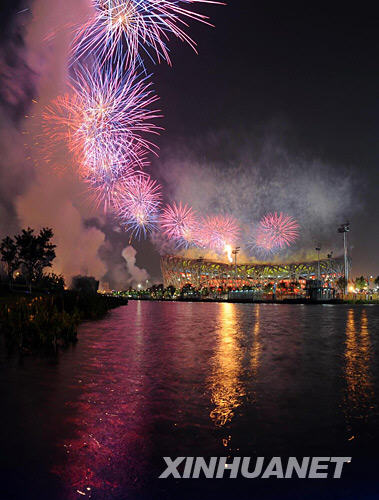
40 321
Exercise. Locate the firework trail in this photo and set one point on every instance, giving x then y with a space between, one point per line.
137 204
104 121
275 231
132 27
218 231
179 223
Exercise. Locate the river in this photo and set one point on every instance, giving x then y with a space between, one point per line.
156 379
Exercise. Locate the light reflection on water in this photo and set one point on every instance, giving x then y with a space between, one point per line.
256 347
184 379
227 389
360 397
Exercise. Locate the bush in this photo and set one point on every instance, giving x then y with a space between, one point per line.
38 322
49 321
85 285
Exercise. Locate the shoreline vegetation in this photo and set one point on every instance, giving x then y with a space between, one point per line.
37 311
46 322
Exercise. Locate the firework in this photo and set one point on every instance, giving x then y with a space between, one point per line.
261 244
229 252
137 204
133 27
179 224
104 189
219 231
104 121
276 231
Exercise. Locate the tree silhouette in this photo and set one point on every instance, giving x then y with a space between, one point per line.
341 283
31 254
9 255
360 282
35 252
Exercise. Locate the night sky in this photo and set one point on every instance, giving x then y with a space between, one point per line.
310 70
307 75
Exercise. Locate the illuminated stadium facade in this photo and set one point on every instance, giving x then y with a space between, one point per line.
200 273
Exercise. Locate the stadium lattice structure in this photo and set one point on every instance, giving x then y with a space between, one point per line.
178 271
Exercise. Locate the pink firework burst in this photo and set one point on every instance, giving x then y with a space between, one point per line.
217 231
133 27
104 121
261 244
179 223
278 230
104 190
106 180
137 203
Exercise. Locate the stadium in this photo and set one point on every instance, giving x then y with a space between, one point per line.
179 271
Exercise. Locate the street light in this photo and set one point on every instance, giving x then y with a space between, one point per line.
345 228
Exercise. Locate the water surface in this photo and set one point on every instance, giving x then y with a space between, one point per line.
157 379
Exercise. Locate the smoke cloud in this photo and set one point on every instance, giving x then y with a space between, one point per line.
48 203
249 177
137 275
17 87
34 60
122 270
54 200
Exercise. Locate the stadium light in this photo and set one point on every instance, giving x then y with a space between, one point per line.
344 229
235 251
318 248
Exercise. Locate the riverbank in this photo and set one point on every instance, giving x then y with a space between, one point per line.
47 322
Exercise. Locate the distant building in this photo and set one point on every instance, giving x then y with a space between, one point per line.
201 273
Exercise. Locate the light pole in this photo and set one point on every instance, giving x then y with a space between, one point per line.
368 282
345 228
235 252
318 262
200 261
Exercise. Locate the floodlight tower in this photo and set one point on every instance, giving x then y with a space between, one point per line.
235 251
318 248
200 260
345 228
